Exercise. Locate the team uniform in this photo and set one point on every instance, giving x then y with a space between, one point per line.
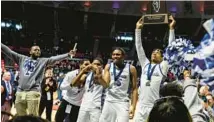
116 106
150 82
91 106
149 91
71 99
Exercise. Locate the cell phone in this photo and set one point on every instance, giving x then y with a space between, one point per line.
204 98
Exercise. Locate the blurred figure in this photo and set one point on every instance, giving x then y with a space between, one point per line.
59 80
48 86
204 90
6 95
209 106
190 96
169 109
27 118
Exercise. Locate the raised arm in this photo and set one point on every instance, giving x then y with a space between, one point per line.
164 63
138 43
11 54
171 30
134 91
53 59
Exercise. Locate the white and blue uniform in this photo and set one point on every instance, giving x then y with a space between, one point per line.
116 106
149 91
151 79
90 109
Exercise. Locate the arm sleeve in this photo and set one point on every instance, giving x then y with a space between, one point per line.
191 98
140 51
65 85
53 59
164 67
54 88
43 85
11 54
171 37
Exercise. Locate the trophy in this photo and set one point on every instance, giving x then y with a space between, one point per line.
156 19
158 15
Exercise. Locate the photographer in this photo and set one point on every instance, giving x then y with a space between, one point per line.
48 86
208 105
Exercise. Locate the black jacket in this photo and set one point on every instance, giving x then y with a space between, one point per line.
48 88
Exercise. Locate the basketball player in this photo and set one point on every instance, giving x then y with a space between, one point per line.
90 109
72 98
120 78
153 72
31 74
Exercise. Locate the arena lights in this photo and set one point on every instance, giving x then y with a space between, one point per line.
8 25
173 9
18 27
3 24
115 5
87 4
124 38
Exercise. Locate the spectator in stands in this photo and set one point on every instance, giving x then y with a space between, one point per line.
190 96
6 95
59 80
208 106
204 90
48 86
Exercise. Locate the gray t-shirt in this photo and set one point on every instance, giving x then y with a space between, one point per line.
31 71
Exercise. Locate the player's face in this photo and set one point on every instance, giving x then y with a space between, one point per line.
35 51
97 63
117 56
85 63
156 56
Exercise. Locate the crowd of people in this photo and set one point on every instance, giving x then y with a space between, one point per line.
92 92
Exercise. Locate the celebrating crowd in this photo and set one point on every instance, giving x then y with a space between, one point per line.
92 92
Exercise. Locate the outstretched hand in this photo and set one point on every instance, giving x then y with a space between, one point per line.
72 53
172 24
139 24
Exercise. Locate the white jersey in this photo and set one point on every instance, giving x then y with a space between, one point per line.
119 88
92 97
150 93
72 95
